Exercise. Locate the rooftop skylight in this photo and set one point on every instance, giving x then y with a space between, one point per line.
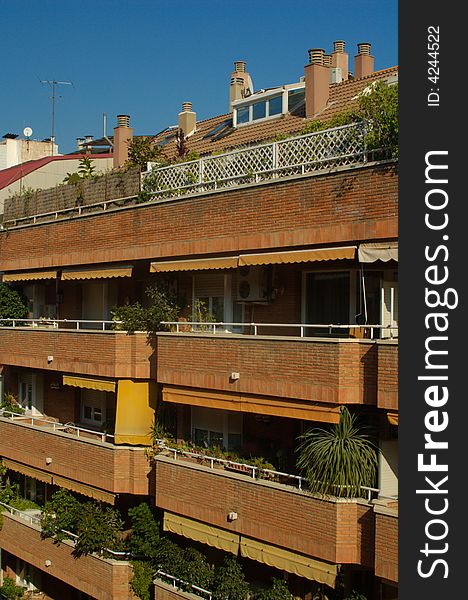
268 104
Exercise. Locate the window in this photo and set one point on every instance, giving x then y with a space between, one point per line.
212 427
271 106
295 99
243 115
93 407
30 392
259 110
275 106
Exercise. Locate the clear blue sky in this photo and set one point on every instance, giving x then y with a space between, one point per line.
145 57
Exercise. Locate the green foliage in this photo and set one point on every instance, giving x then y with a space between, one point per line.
61 512
142 150
380 109
86 169
13 305
195 569
142 580
279 591
10 590
135 317
229 583
72 178
98 528
145 537
340 460
10 404
355 596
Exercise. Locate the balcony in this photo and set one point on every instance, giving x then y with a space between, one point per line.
332 370
101 578
283 516
82 347
79 459
386 540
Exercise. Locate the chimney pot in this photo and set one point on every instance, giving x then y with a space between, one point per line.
339 46
123 121
241 83
239 66
327 60
364 48
186 106
316 56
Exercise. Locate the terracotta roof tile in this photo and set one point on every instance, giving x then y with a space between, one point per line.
342 96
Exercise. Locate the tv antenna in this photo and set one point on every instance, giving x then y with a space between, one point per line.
53 83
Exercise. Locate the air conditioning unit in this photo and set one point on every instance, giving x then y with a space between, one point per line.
251 284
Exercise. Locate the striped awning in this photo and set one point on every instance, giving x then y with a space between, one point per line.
298 256
285 560
85 490
200 532
31 276
373 251
97 273
27 470
224 262
102 385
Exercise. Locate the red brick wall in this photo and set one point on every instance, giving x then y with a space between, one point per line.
114 469
350 205
330 371
106 354
388 377
386 546
338 532
101 579
164 591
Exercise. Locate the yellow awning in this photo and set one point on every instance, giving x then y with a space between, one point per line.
82 488
29 276
297 256
373 251
135 412
285 560
97 273
26 470
102 385
200 532
263 405
197 264
392 418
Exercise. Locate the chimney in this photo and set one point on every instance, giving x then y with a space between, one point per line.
317 81
123 133
241 84
80 143
340 59
363 61
187 119
88 143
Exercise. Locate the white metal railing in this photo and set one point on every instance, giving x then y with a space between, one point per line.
47 323
293 156
35 520
299 155
55 426
256 473
181 584
222 327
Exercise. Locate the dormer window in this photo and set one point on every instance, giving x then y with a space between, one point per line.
265 104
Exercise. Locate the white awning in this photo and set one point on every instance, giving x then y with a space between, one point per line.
373 251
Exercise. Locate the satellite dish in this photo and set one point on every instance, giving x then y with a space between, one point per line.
27 132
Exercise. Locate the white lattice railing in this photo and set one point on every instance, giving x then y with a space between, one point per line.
293 156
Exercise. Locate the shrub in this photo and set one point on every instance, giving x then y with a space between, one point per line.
195 569
229 581
10 404
98 529
145 538
142 580
10 590
61 512
279 591
13 305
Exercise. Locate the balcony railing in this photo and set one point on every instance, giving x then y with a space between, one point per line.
180 584
81 325
55 426
339 146
303 329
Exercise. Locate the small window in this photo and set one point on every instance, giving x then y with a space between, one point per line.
295 99
243 115
259 110
276 106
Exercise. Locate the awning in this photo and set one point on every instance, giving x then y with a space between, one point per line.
392 418
28 471
285 560
297 256
82 488
197 264
135 412
97 273
200 532
373 251
249 403
32 276
102 385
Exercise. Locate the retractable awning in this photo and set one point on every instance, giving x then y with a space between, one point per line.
27 470
97 273
224 262
297 256
134 412
373 251
285 560
82 488
249 403
200 532
102 385
31 276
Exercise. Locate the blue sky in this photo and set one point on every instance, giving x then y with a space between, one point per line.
145 57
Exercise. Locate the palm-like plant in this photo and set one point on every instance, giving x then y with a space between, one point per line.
338 461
